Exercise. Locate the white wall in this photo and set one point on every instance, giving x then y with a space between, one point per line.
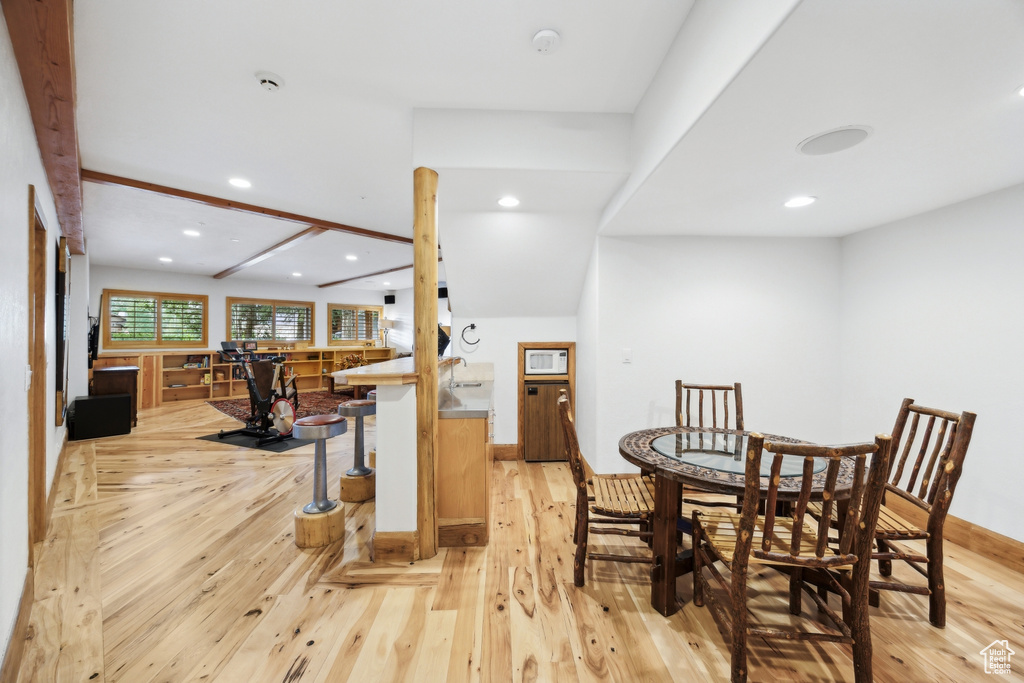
758 311
103 277
20 166
588 380
932 310
499 344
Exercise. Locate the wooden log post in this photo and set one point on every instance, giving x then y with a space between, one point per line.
425 353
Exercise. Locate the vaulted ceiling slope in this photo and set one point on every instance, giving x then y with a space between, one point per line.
650 117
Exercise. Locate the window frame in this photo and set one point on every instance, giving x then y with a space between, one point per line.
359 308
273 303
157 342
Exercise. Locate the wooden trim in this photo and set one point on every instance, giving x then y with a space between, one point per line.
507 451
157 343
108 179
425 354
395 545
16 645
358 308
275 303
41 34
1004 550
461 533
369 274
282 246
570 376
36 403
61 464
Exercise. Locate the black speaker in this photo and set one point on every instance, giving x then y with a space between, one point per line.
389 298
442 292
90 417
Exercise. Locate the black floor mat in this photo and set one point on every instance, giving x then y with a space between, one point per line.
247 441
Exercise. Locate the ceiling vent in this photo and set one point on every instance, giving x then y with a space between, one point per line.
269 82
836 140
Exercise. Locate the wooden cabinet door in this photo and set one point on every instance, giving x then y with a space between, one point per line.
542 428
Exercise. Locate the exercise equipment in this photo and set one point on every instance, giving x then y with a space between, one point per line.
273 400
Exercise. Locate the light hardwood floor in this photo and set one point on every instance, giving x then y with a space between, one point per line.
171 559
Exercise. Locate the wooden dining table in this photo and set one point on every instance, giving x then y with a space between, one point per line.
705 460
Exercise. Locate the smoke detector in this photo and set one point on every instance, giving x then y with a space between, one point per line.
546 41
268 81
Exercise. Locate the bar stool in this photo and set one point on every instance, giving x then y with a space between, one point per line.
360 482
322 521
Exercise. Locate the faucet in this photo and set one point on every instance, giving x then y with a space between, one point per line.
451 372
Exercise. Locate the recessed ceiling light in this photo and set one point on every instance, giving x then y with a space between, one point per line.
797 202
385 283
508 202
296 274
234 239
835 140
351 257
166 259
192 233
1021 91
240 182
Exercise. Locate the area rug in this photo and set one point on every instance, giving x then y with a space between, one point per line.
311 403
251 442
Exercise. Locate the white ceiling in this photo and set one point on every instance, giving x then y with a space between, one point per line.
652 117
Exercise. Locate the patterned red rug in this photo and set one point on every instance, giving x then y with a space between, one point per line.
311 403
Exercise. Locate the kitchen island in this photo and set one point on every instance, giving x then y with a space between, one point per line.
462 467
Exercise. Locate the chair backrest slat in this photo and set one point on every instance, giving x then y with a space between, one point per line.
865 498
800 509
718 396
770 500
925 440
943 441
827 505
572 444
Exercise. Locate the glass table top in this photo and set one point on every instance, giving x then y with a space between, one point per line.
724 452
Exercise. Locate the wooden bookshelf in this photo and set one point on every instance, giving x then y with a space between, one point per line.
201 375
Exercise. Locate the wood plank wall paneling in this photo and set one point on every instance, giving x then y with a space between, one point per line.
42 37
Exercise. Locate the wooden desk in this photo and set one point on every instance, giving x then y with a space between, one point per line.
121 379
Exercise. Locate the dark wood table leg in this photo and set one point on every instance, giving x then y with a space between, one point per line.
667 505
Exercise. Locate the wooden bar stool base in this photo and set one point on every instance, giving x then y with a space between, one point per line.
318 530
358 489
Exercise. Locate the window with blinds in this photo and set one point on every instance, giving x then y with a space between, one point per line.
153 319
264 320
354 323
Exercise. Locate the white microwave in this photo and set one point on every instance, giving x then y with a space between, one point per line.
546 362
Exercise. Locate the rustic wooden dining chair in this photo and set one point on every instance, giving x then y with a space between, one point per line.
942 437
707 405
797 545
603 499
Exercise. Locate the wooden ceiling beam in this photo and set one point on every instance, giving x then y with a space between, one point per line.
287 244
361 277
208 200
41 34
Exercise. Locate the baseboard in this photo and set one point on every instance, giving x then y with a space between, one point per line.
461 533
395 545
55 484
506 451
16 645
1004 550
